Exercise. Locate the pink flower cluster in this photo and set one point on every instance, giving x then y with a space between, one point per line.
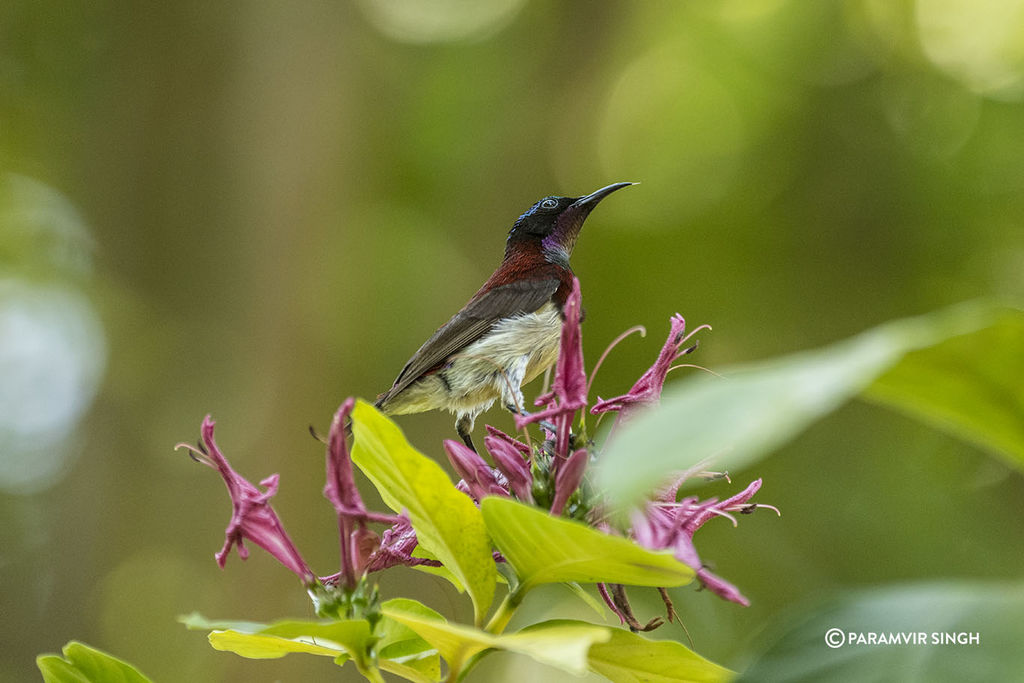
253 518
555 469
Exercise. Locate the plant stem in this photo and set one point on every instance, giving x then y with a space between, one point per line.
370 672
453 673
499 620
505 611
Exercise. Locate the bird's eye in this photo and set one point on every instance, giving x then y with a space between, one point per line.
549 204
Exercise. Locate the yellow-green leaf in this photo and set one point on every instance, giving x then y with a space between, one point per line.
260 646
971 386
397 639
750 411
197 622
424 668
546 549
563 645
84 664
630 658
348 638
446 521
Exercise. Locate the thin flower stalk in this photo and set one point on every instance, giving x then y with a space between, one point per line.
341 491
569 388
647 390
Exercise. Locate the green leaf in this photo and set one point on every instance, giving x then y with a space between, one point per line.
400 649
330 638
918 612
630 658
446 521
757 408
197 622
57 670
561 645
259 646
455 643
546 549
397 639
572 646
339 639
971 386
84 664
441 571
420 669
352 635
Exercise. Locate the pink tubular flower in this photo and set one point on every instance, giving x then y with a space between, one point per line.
669 524
546 475
392 550
569 388
356 542
479 478
252 517
515 444
396 548
362 550
647 389
512 459
568 479
340 489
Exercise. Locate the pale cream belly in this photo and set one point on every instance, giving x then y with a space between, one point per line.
494 367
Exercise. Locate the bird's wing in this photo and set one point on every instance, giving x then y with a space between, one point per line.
469 324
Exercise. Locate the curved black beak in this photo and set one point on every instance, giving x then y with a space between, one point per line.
567 228
590 201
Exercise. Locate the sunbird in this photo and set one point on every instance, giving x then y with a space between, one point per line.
509 331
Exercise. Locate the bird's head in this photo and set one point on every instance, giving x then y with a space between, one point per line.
555 223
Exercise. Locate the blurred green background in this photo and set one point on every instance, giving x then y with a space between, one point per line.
256 209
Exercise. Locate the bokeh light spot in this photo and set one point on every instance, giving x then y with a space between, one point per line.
52 344
439 21
52 354
978 42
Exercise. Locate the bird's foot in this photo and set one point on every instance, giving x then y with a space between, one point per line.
464 426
